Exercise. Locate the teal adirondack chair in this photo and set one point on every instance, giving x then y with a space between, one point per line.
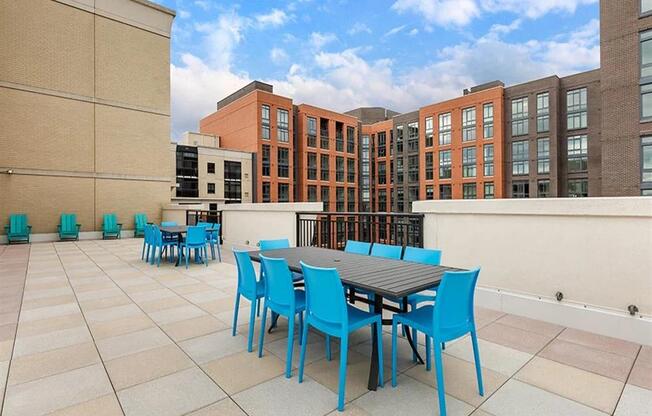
140 221
68 228
18 230
110 226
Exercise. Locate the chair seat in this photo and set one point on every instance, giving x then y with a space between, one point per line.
419 319
359 318
421 298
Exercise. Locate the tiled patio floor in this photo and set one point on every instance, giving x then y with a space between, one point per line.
87 328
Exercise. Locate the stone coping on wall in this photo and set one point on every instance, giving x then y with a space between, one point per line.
274 207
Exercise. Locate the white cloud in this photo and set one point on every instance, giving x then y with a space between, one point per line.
221 38
318 39
203 4
275 18
278 56
413 32
183 14
358 28
394 30
534 8
441 12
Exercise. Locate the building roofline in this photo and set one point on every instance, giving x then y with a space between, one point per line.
156 6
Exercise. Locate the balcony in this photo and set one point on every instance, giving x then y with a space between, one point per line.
88 325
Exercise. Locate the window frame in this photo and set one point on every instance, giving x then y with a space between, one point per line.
469 164
487 121
543 159
469 118
265 122
522 120
266 162
445 130
523 159
488 163
282 127
448 165
470 186
485 194
543 113
429 130
324 174
579 111
283 165
582 156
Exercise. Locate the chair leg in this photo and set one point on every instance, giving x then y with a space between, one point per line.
394 335
206 256
235 313
381 362
344 349
219 253
302 355
288 354
439 369
187 256
261 337
428 362
258 310
300 325
478 368
142 255
328 347
252 321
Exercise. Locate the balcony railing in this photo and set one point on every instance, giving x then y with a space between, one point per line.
333 229
215 217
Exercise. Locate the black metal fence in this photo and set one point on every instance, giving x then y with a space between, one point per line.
214 217
333 229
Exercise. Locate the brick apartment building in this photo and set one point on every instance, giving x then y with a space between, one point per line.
586 134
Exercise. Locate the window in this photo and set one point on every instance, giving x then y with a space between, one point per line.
325 197
445 164
312 166
578 188
543 155
646 53
283 124
646 6
391 171
429 166
266 192
382 200
266 160
469 191
350 199
543 188
488 150
519 117
339 199
382 139
210 188
339 169
578 159
576 108
232 182
382 173
430 192
520 162
413 195
468 124
429 131
646 101
312 132
521 189
210 167
445 128
312 193
488 120
365 174
350 139
339 136
323 133
445 192
646 162
350 170
400 199
413 168
264 116
543 112
413 137
468 162
283 192
324 167
488 190
399 170
399 139
283 162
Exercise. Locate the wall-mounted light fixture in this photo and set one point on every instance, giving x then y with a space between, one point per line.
10 171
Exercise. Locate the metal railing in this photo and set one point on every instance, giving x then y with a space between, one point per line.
333 229
215 217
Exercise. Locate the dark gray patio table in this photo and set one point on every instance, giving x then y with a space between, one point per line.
386 278
179 231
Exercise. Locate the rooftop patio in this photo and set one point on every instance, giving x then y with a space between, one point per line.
89 328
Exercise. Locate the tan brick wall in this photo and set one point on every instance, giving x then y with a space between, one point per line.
31 37
44 132
44 198
126 198
133 66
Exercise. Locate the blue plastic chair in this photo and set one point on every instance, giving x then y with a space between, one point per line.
160 245
280 243
249 288
283 299
450 318
327 311
146 242
386 251
213 238
168 224
195 239
357 247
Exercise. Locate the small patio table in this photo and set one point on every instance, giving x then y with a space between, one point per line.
179 231
385 278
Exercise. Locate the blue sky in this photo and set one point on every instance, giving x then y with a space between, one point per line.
341 54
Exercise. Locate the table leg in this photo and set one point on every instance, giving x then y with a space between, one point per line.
176 264
372 384
408 334
274 322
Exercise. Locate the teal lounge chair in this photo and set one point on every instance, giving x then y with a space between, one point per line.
68 228
18 230
110 226
140 221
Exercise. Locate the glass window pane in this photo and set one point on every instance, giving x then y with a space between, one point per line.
646 104
646 6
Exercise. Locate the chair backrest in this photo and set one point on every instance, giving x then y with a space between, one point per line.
110 222
279 289
147 233
168 223
386 251
18 223
68 223
246 274
140 220
357 247
324 295
196 235
422 255
274 244
454 307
